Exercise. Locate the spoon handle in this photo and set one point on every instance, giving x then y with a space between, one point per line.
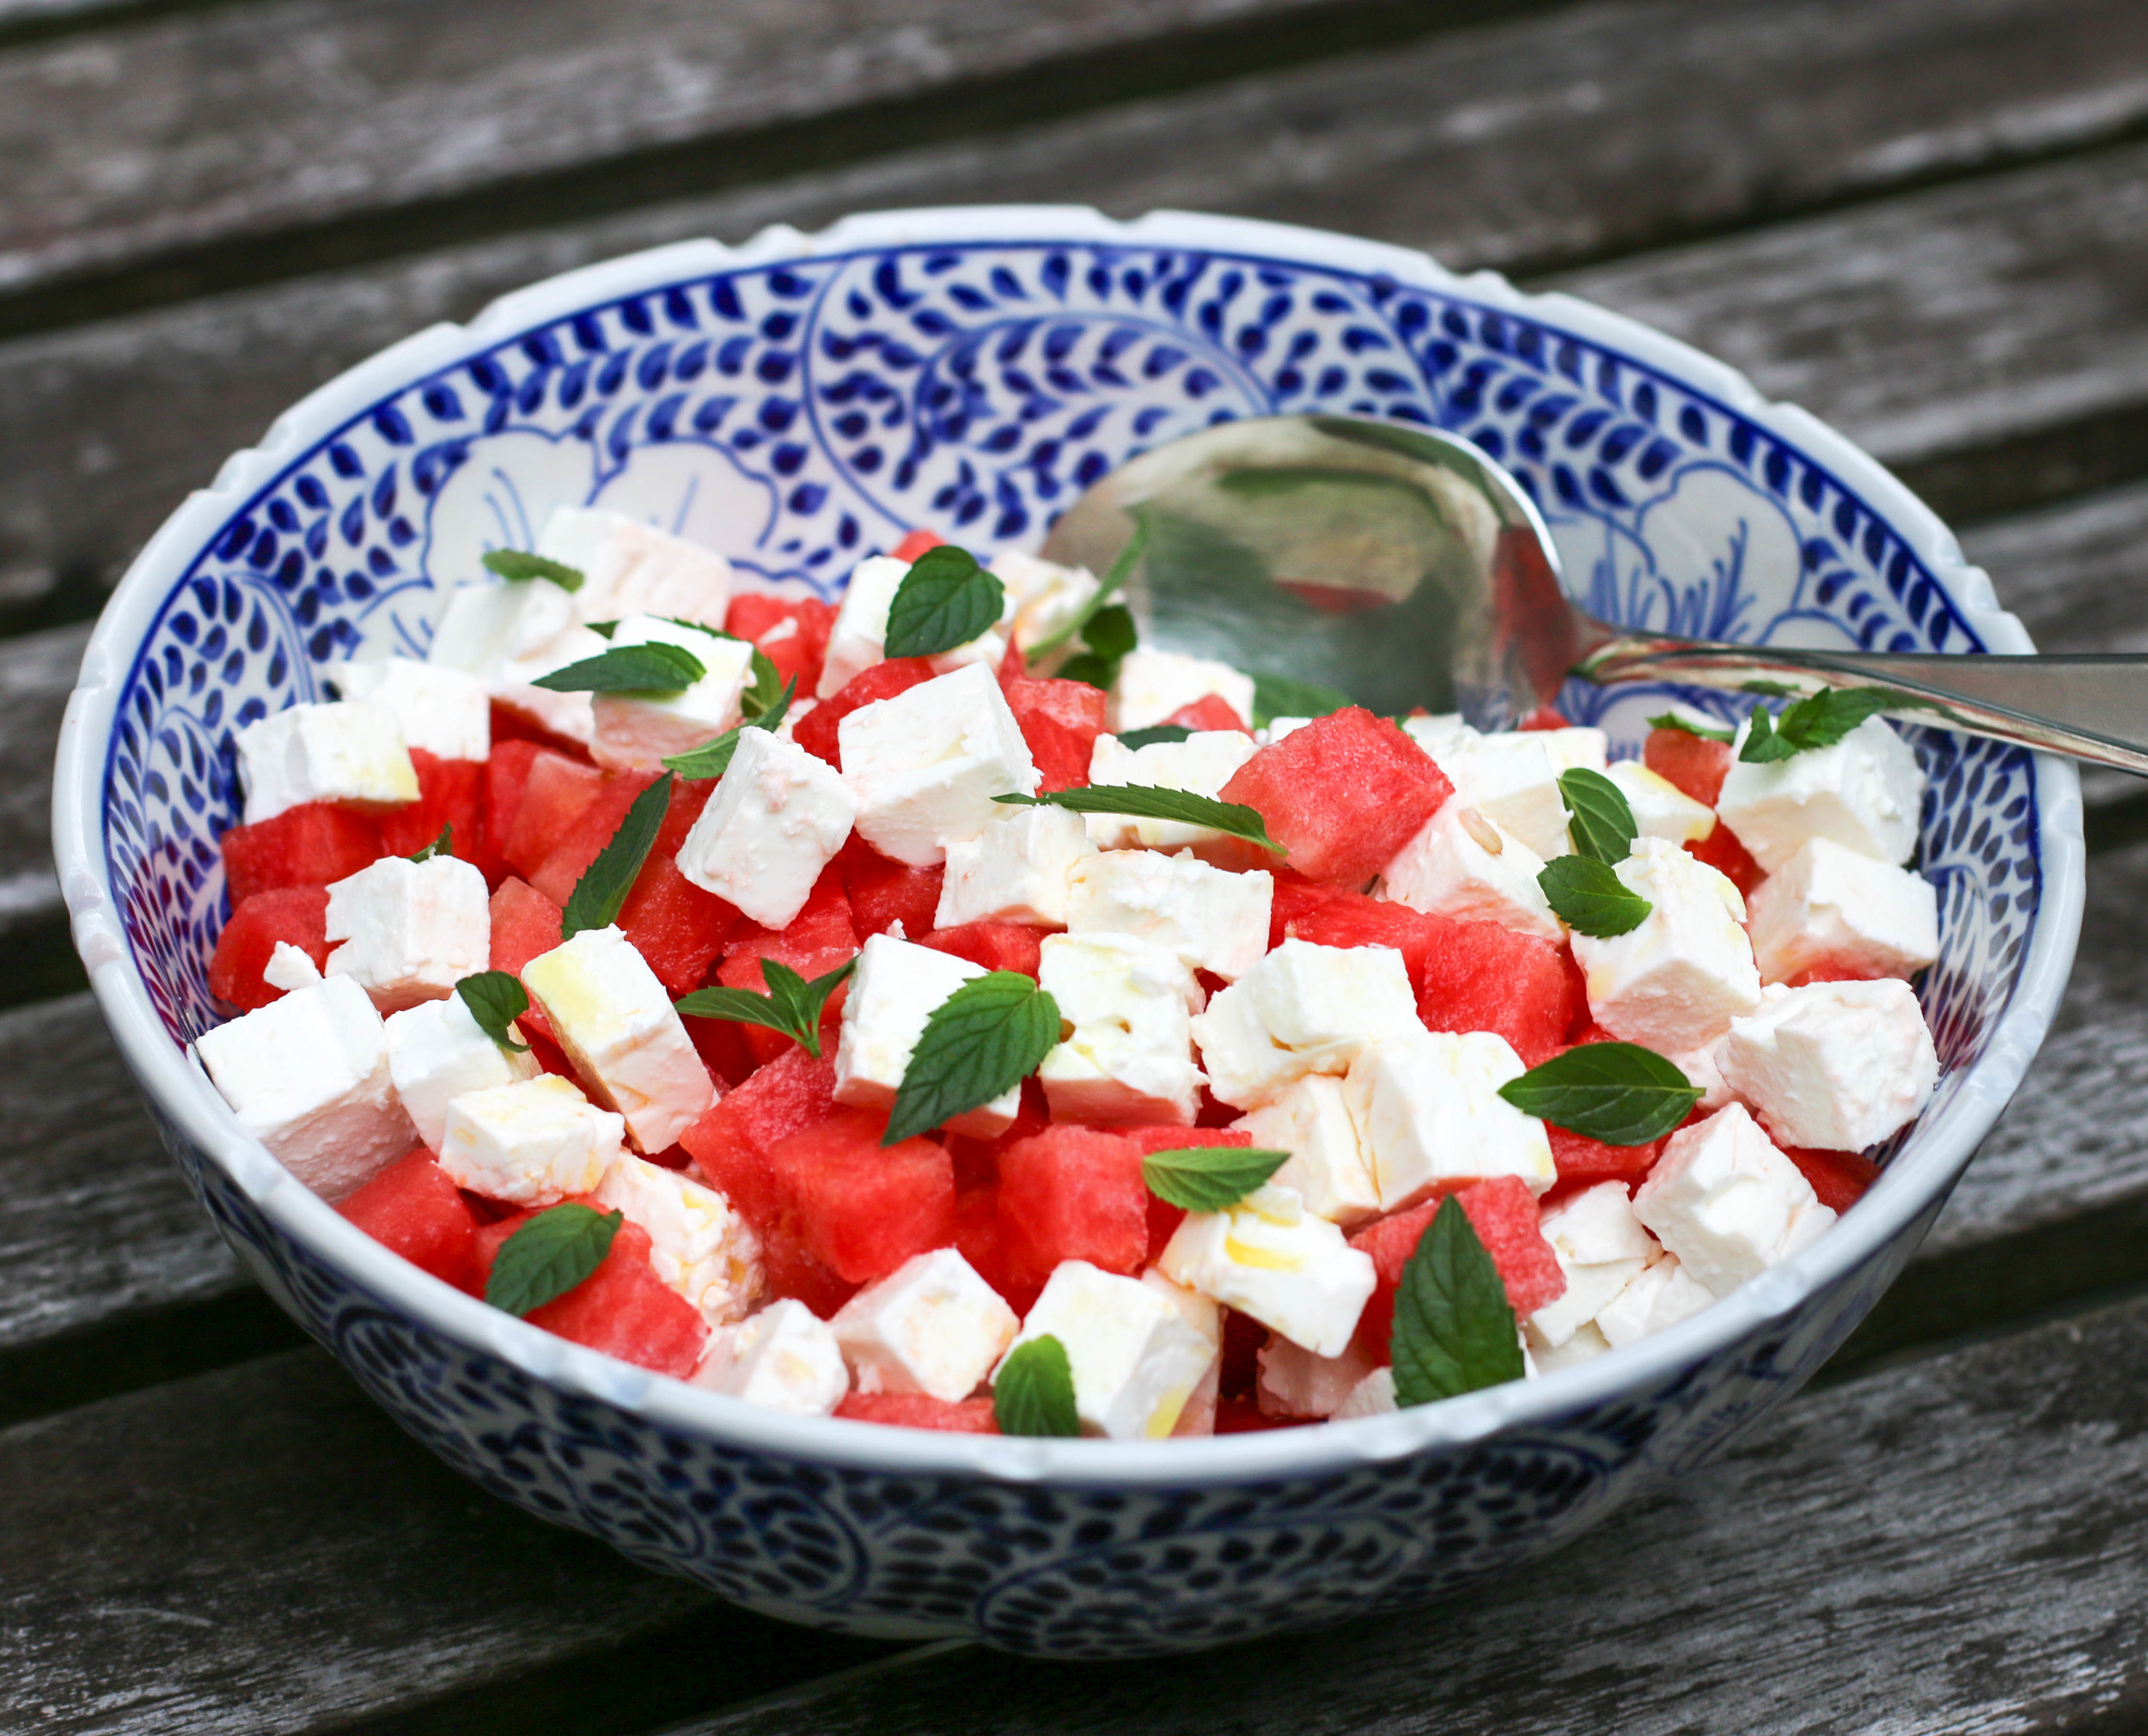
2094 707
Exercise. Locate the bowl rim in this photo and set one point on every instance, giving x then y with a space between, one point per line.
181 1091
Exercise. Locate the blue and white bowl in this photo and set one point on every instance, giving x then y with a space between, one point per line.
800 402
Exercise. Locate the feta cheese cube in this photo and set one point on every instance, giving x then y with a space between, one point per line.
436 1052
290 967
1864 793
932 1326
1678 979
1829 908
1293 1382
1135 1358
1304 1009
1586 1343
1311 1119
1461 864
1660 809
1727 1203
1602 1247
894 990
308 1076
1512 780
1270 1257
531 1144
1127 1058
698 1244
629 568
1280 729
1429 1107
618 1028
776 820
784 1357
925 765
1374 1396
1152 685
639 731
1435 730
507 634
860 638
445 711
1836 1065
351 752
1047 597
1699 1065
1202 764
411 930
1659 1296
1015 870
1214 920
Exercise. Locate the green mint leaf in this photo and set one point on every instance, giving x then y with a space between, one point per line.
1763 746
713 759
768 692
1140 802
1602 818
792 1005
1033 1391
496 999
549 1256
1821 719
604 629
1087 666
1154 734
442 845
1282 695
649 668
990 1033
1616 1094
595 902
1122 568
1589 898
1208 1178
1671 720
1111 633
519 564
1454 1329
1771 690
945 599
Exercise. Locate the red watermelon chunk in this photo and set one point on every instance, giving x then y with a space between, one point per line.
555 790
580 842
1164 1218
413 1209
1504 1213
820 938
1723 852
296 915
509 724
525 923
920 1410
816 730
1840 1178
1210 711
733 1138
1545 718
915 543
622 1308
860 1210
450 794
1061 721
1588 1161
1342 795
677 926
1481 977
884 892
791 633
506 777
982 1238
1074 1193
1295 897
1694 763
1352 919
996 945
313 845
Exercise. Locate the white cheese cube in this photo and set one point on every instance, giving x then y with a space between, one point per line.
1461 864
1659 1296
1198 1417
783 1357
1727 1203
436 1052
447 712
925 765
1280 729
1433 731
1660 809
640 731
1311 1119
618 1028
1015 870
1201 765
507 634
290 967
1831 909
1198 1311
1214 920
1699 1065
1586 1343
1678 979
932 1326
531 1144
1837 1065
1512 780
1864 793
860 638
308 1076
411 930
1047 597
776 818
1374 1396
894 991
698 1244
1429 1107
1304 1009
351 752
1270 1257
629 568
1128 1059
1602 1247
1293 1382
1135 1358
1152 685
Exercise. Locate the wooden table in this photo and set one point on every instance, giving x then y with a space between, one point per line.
1927 220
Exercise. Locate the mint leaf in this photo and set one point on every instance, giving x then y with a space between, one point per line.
768 692
1154 734
1589 898
442 845
1111 633
496 999
1033 1390
792 1005
595 902
648 668
1140 802
713 759
945 599
1763 746
1616 1094
549 1256
1454 1329
1603 819
1821 719
1281 696
519 564
1122 568
1672 720
990 1033
1208 1178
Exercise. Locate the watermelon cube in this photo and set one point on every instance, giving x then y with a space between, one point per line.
1210 711
884 892
298 915
1164 1218
1075 1193
1504 1213
1481 977
677 926
982 1238
525 923
790 1269
915 543
996 945
1061 721
509 724
313 844
1342 795
816 730
622 1308
1352 919
920 1410
791 633
1694 763
413 1209
555 790
1295 897
1723 852
1588 1162
1840 1178
450 794
820 938
506 777
731 1141
579 843
860 1210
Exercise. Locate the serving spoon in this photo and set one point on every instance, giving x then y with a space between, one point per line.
1406 568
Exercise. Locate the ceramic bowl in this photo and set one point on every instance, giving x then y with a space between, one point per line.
800 402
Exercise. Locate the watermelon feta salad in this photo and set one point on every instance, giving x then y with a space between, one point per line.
941 1010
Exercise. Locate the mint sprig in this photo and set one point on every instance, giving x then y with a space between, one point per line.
1109 634
1600 819
1672 720
1284 696
653 668
713 759
988 1035
549 1256
1589 898
1140 801
595 902
1155 734
792 1005
1616 1094
945 599
1454 1329
1208 1178
442 845
1821 719
1121 568
1033 1390
496 1001
520 565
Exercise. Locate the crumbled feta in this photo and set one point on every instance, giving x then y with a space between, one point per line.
640 731
1864 792
1836 1065
932 1326
308 1076
775 820
1292 1381
1512 780
1270 1257
1047 597
351 752
447 712
1831 908
1152 685
1214 920
629 568
1374 1396
1462 865
1727 1203
860 638
507 635
1660 809
1201 765
410 931
1135 1358
1602 1247
1015 870
1304 1009
436 1052
925 765
1659 1296
894 990
1311 1119
1586 1343
784 1357
290 967
1678 979
1127 1056
698 1246
618 1028
531 1144
1429 1107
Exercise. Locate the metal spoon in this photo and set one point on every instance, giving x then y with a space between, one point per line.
1405 567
